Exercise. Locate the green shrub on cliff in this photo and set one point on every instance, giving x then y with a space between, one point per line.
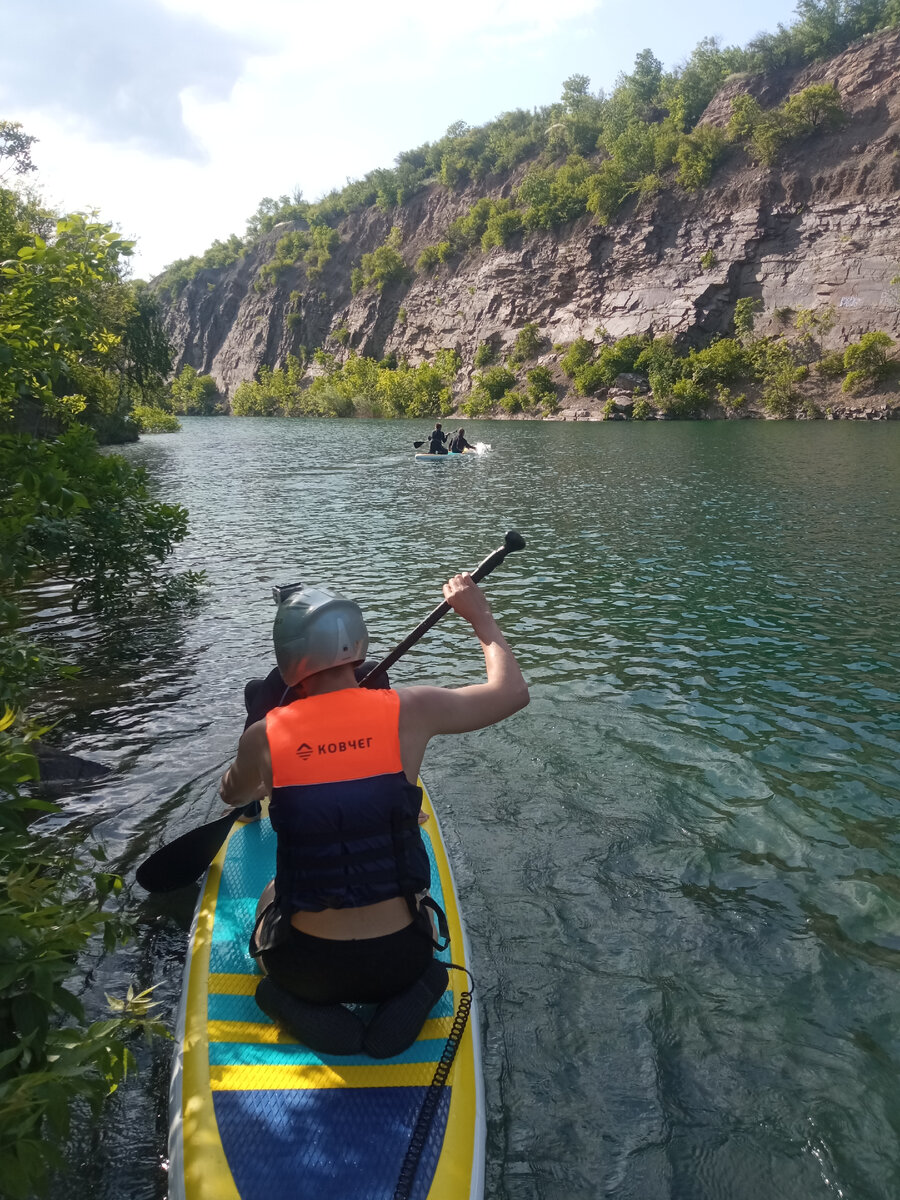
764 132
433 256
697 156
866 361
527 344
553 197
579 353
541 388
503 224
383 266
484 354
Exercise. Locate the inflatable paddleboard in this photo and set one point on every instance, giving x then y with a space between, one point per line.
442 457
254 1115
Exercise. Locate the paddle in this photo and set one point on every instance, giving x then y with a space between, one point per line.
183 861
512 541
418 444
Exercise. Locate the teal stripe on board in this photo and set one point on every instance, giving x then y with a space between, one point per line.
255 1054
243 1008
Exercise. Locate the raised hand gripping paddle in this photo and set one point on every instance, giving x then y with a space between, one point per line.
512 541
183 861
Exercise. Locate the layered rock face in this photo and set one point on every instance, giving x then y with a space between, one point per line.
820 228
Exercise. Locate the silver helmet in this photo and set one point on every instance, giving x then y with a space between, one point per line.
314 630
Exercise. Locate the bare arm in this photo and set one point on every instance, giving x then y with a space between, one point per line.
427 711
250 775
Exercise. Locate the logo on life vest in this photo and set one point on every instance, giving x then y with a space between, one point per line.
304 750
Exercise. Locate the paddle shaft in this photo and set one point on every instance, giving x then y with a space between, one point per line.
514 541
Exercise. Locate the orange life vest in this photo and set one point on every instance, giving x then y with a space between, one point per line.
345 814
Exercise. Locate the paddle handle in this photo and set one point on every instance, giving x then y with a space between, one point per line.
512 541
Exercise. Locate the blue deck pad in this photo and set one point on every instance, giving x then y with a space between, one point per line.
328 1144
245 876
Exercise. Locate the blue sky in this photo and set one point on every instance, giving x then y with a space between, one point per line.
174 118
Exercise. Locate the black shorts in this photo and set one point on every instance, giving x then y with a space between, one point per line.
328 971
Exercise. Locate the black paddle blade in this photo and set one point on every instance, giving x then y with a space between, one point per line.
183 861
418 444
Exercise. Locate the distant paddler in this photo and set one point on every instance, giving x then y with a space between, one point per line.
458 442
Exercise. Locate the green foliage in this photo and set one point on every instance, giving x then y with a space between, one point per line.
496 381
15 148
866 361
589 379
811 326
77 340
697 156
383 266
275 393
478 404
487 223
745 318
512 402
433 256
86 518
52 318
53 904
527 344
708 260
311 247
401 317
193 394
502 226
579 353
541 388
765 132
621 356
643 410
154 420
721 362
341 334
776 365
553 197
360 387
484 354
179 274
831 365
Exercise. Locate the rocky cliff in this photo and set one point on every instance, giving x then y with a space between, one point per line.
821 228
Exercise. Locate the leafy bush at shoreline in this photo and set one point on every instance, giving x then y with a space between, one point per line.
361 387
82 349
193 394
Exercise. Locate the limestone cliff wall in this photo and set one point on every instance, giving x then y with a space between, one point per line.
821 228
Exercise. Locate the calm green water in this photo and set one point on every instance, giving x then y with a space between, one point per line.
680 866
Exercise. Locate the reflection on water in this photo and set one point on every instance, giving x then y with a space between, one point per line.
679 866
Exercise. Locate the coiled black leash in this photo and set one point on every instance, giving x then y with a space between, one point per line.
420 1132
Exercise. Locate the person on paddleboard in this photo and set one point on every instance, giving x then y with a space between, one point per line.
458 442
436 440
348 917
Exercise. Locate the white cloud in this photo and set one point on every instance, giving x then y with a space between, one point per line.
116 71
175 117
